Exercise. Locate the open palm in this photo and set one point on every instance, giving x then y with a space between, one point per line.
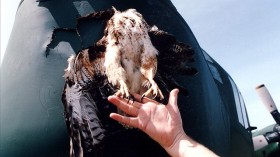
161 122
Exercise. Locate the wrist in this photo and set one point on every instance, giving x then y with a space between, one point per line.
175 149
184 146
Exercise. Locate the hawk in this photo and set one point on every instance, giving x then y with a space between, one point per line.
127 59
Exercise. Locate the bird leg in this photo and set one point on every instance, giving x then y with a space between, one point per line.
153 91
123 90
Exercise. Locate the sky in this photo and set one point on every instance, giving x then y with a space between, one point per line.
242 36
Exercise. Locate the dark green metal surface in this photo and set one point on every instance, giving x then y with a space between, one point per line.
272 149
31 83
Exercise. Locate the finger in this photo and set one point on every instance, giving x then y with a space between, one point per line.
137 104
144 99
172 102
123 105
131 121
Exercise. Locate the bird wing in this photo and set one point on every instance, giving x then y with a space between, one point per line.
80 110
83 124
170 48
173 57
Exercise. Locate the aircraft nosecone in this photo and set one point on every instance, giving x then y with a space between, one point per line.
32 122
268 102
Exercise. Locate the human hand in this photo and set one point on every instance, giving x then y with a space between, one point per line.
161 122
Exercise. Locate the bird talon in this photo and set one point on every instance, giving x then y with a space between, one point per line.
142 97
128 99
155 95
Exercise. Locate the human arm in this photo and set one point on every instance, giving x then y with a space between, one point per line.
162 123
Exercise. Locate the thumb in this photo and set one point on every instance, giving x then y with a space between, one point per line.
173 96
